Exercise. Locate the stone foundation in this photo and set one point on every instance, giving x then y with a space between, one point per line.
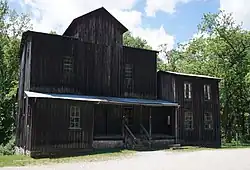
105 144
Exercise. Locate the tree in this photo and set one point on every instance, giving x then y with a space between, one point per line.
12 25
53 32
136 42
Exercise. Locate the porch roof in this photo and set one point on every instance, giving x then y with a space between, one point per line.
101 99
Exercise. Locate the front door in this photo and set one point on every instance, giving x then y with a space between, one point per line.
128 114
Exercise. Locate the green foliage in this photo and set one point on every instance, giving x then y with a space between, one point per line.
53 32
12 25
136 42
9 148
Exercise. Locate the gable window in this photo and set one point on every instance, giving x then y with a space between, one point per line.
208 120
75 117
67 64
187 91
128 79
207 92
188 122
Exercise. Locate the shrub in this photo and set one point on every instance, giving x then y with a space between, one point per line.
9 148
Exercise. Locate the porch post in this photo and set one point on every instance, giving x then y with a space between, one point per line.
176 124
150 125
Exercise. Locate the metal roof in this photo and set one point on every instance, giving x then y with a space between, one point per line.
101 99
192 75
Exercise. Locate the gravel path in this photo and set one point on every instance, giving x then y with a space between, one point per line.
226 159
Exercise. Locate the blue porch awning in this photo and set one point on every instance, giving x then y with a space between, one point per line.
101 99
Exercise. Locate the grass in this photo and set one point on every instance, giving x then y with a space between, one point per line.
196 148
22 160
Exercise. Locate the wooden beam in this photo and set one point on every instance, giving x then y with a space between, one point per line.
93 124
26 127
176 124
150 125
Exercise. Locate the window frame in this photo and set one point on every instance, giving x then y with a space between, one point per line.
190 117
187 95
128 79
75 117
67 64
207 92
208 122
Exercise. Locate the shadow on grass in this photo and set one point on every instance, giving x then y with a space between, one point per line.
85 153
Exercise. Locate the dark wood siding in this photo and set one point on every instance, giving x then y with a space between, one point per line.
97 29
50 125
96 67
197 105
108 120
144 72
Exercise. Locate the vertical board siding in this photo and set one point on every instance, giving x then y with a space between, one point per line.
108 120
50 125
97 29
96 67
198 106
144 72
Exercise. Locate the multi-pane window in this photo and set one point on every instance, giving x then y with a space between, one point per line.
75 112
208 120
207 92
128 78
188 122
67 64
187 91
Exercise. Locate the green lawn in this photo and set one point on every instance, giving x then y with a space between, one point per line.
195 148
21 160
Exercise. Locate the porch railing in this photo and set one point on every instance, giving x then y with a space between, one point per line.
146 134
130 138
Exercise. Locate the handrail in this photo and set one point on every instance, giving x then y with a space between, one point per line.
145 131
129 131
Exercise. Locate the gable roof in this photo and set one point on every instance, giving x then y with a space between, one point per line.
191 75
100 11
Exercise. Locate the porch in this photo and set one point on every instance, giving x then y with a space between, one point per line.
104 122
134 126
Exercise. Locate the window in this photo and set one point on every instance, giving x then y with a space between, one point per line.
208 120
67 64
74 117
128 78
187 91
188 122
207 92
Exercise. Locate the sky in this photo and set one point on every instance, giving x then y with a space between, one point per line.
157 21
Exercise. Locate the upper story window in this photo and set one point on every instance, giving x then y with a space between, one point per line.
128 78
187 91
207 92
67 64
208 120
188 122
75 120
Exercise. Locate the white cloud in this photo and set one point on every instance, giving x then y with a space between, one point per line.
240 10
168 6
56 15
155 37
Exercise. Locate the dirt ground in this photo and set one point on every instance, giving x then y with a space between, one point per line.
222 159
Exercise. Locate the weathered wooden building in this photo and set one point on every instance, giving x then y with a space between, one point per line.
199 113
84 90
